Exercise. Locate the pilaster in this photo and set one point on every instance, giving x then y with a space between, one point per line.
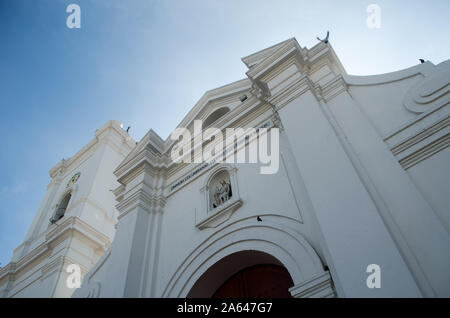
352 232
420 236
141 204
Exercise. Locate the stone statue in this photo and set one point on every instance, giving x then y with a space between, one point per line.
222 193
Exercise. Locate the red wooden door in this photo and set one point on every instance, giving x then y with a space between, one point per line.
259 281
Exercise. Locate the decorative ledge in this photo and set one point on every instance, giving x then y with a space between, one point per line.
217 216
319 286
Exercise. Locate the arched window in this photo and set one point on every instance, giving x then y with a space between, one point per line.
61 208
220 190
215 116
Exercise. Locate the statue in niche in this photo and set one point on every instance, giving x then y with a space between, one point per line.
223 193
74 179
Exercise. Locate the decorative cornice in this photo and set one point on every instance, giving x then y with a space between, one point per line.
113 125
379 79
425 152
220 214
151 141
292 91
319 286
143 157
17 267
419 137
420 143
274 60
145 160
59 263
70 225
290 49
214 94
332 88
197 170
75 224
140 198
253 59
430 92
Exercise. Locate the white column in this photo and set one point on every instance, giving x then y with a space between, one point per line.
353 233
419 234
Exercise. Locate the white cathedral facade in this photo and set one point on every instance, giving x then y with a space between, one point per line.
363 182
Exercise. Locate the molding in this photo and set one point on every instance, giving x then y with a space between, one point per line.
75 224
251 113
291 48
158 159
220 214
211 95
255 58
15 270
319 286
140 198
275 237
151 141
414 126
332 88
174 185
422 135
430 92
380 79
292 92
423 143
425 152
114 125
59 263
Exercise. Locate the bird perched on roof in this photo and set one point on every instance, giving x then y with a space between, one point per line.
326 38
259 219
422 61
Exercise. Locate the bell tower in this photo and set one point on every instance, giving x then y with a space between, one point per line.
75 223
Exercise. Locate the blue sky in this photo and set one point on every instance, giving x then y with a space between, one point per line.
146 63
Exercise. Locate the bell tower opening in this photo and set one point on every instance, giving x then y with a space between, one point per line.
61 208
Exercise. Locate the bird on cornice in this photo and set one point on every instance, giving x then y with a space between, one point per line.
326 38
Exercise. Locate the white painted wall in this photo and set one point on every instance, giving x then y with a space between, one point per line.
38 267
363 179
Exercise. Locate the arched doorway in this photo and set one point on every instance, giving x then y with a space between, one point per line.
244 274
258 281
245 243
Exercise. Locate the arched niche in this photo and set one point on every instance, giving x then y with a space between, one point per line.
214 116
220 189
222 197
